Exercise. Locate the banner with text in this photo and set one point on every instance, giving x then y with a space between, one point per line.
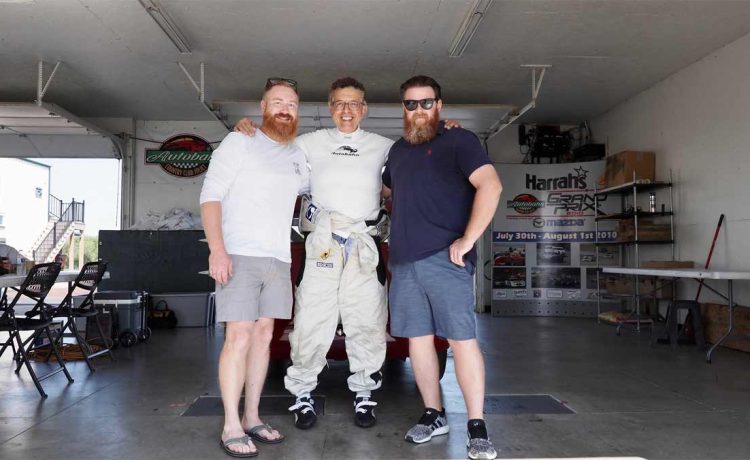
544 232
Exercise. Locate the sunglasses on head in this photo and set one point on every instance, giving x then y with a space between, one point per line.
411 104
274 81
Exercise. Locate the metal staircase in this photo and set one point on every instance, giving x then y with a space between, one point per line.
65 219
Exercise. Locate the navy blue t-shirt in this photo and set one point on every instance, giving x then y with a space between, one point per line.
432 195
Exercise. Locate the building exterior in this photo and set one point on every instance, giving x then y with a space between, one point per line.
24 199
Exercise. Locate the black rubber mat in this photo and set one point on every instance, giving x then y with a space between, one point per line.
208 406
524 404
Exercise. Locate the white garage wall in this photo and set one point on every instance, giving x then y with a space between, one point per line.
503 148
698 123
24 209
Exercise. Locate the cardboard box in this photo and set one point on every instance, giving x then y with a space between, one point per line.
621 167
646 286
715 318
668 264
647 230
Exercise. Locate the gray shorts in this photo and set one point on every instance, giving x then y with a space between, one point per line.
432 296
260 287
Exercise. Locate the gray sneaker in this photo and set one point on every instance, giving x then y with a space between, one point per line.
480 448
432 423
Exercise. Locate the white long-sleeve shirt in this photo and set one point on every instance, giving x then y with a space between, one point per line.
346 170
257 181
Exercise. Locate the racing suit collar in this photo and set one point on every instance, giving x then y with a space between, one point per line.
349 136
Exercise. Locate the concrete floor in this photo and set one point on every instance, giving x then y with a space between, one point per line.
630 400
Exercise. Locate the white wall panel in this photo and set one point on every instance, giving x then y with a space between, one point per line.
698 123
24 209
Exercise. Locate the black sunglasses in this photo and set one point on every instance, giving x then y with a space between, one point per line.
411 104
273 81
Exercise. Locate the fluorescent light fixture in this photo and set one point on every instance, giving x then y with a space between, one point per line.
166 24
469 26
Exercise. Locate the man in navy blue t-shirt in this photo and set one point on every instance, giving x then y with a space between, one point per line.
445 191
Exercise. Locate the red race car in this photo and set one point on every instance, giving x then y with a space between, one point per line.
397 348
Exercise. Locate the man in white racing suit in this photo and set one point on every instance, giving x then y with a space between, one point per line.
343 279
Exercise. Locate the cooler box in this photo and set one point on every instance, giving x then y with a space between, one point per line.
127 310
192 309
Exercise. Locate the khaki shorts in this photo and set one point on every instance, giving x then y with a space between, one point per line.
260 287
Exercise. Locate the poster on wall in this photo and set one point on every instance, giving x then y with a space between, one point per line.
544 233
171 158
508 255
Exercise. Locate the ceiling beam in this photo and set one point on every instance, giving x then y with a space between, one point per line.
200 87
536 85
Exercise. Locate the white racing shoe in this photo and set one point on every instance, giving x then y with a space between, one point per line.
304 412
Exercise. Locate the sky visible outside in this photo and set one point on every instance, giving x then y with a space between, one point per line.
95 181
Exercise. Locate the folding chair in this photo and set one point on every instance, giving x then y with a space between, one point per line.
88 279
36 286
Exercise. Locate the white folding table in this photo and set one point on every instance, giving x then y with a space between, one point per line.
12 280
697 274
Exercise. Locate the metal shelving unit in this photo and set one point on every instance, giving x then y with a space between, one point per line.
630 250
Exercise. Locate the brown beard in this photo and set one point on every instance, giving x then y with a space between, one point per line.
277 130
420 135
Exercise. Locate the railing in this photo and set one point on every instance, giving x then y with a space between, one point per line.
55 207
50 241
64 215
66 212
74 212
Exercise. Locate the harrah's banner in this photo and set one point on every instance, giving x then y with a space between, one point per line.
551 203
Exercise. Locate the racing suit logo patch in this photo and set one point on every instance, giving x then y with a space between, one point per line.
310 213
324 264
346 151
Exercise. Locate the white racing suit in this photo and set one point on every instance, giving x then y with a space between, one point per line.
340 281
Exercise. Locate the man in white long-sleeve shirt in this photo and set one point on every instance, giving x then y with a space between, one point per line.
343 275
247 202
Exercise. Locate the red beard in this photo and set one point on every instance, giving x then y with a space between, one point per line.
280 127
414 134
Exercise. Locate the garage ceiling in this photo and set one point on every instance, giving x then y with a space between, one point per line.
116 62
